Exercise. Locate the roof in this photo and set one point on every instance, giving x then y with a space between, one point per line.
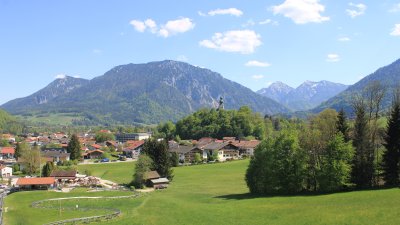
246 144
160 180
134 144
180 149
151 175
215 145
90 152
63 173
7 150
36 181
96 146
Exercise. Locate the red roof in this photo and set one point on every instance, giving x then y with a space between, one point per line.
96 146
134 144
7 150
36 181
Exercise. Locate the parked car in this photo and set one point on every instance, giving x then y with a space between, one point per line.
105 160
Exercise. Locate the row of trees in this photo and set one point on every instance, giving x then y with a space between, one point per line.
326 154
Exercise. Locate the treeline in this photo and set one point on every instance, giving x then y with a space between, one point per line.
327 153
214 123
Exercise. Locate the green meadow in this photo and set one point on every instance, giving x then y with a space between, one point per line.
213 194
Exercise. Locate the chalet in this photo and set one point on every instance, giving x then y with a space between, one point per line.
133 148
56 156
5 171
42 183
93 154
190 155
182 151
246 147
226 150
7 152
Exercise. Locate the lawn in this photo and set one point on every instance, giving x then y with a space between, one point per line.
121 172
217 194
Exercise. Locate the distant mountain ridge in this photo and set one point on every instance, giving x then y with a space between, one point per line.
143 93
306 96
388 76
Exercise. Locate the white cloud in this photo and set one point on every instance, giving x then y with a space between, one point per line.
396 30
257 63
395 8
302 11
60 76
344 39
332 58
242 41
357 9
182 58
173 27
170 28
151 25
268 21
138 25
249 23
257 77
230 11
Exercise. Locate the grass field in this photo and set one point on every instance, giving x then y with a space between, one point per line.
121 173
217 194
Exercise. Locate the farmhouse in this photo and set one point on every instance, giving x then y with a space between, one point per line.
94 154
7 153
5 171
133 148
56 156
41 183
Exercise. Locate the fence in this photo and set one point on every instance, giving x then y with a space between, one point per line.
113 211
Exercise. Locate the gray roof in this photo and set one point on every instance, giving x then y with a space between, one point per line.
215 145
160 180
181 149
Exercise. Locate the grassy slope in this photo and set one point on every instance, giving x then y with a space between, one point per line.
217 194
121 173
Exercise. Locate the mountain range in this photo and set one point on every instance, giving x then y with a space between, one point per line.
305 97
142 93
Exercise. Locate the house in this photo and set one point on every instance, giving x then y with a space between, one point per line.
92 154
64 175
56 156
182 151
7 152
246 148
226 150
5 171
133 148
190 155
42 183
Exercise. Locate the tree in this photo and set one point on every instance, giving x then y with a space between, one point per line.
158 152
20 148
390 161
279 165
74 148
342 126
104 136
197 158
31 159
143 165
363 161
174 157
167 129
335 167
48 168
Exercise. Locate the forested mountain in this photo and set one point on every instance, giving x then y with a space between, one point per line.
388 76
58 87
306 96
149 93
8 123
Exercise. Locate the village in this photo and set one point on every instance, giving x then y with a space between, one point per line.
123 148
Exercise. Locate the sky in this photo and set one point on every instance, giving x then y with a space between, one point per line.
252 42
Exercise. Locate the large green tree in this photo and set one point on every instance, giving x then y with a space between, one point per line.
142 166
158 152
390 161
363 161
31 160
342 125
48 168
335 166
279 165
74 148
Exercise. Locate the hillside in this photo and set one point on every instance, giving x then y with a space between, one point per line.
388 76
306 96
146 93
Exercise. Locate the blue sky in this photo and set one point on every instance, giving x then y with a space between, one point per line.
251 42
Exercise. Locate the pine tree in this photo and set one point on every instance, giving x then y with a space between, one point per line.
390 161
48 168
158 152
342 126
74 148
363 161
